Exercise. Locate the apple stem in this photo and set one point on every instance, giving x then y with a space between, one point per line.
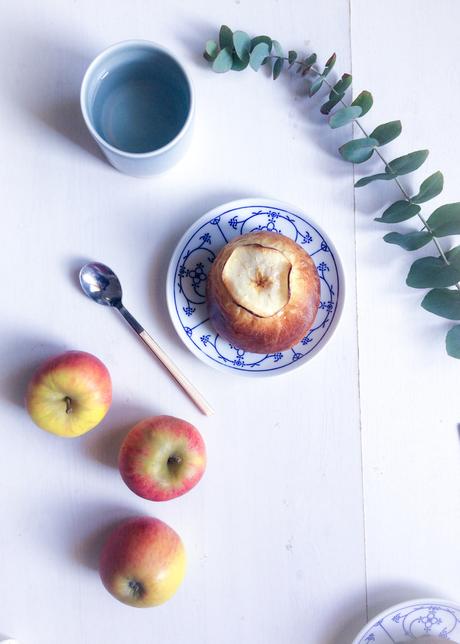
68 405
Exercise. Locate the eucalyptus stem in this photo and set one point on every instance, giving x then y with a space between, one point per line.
382 158
398 183
237 50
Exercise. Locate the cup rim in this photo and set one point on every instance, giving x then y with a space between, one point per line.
84 92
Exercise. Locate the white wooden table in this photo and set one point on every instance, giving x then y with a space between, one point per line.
330 493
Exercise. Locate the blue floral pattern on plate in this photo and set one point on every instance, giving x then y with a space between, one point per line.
414 621
193 258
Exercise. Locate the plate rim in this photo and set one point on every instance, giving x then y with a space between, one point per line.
263 202
406 604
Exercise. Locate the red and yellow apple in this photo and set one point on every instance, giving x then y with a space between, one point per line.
69 394
162 457
142 562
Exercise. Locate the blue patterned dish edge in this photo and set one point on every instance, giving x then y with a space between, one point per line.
195 252
413 621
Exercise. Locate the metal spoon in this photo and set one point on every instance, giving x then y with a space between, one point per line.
101 284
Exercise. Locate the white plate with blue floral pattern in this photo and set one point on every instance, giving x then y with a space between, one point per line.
415 620
192 260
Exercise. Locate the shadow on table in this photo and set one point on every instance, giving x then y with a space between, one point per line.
46 84
348 620
73 265
194 33
23 356
104 444
97 521
380 597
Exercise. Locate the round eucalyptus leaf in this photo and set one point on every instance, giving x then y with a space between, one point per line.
430 188
453 341
407 163
453 255
381 176
409 241
292 56
277 67
225 37
241 43
341 85
258 55
240 63
306 65
211 50
387 132
444 302
432 272
316 86
258 39
223 62
277 48
329 65
345 116
331 103
445 220
364 101
398 211
358 150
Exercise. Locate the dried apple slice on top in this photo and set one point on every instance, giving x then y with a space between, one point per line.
263 292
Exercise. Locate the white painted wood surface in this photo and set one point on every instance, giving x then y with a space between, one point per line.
278 548
403 52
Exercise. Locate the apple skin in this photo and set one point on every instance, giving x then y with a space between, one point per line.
142 562
76 381
162 457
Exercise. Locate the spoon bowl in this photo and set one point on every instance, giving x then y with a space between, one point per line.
101 284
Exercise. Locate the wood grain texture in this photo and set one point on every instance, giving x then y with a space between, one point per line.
274 532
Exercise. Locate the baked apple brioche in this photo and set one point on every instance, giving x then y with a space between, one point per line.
263 292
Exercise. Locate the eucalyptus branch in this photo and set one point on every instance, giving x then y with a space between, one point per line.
397 181
236 51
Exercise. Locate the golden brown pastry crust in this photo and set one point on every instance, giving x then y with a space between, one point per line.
265 334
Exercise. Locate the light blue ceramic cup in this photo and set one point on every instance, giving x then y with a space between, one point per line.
138 103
